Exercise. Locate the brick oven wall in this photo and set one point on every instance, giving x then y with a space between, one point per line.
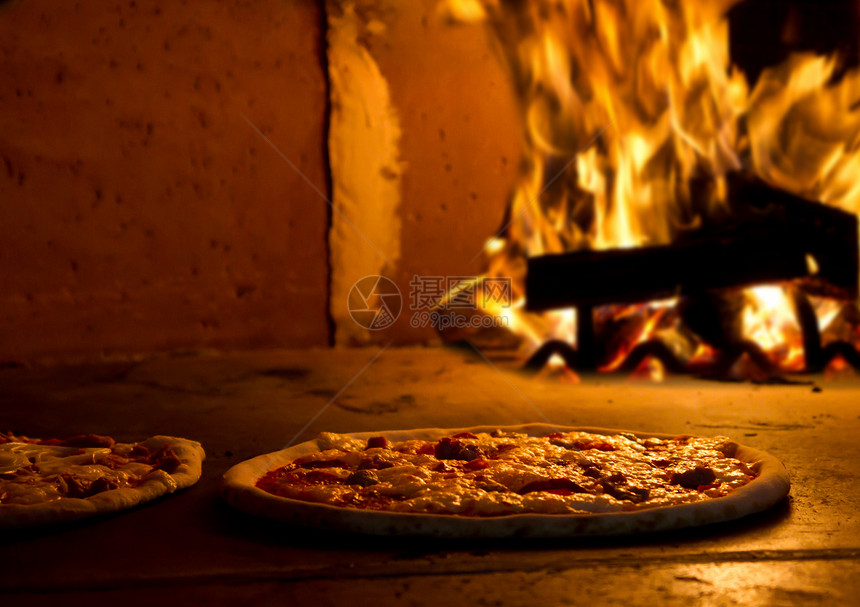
459 154
140 211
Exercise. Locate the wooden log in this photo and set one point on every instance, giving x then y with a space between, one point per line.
769 237
828 234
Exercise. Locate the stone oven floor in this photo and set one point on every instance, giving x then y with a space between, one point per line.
192 547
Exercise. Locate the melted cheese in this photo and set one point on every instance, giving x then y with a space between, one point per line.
573 473
32 473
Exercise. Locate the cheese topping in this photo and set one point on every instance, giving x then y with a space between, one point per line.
504 473
32 472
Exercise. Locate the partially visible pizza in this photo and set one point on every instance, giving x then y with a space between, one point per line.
45 481
533 480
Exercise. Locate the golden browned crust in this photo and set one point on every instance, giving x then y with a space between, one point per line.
239 489
157 484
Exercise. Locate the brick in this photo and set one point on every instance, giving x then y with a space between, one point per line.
140 210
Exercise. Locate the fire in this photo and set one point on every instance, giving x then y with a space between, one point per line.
769 321
653 314
804 133
634 117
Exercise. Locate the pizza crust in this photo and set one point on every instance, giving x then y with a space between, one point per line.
157 484
239 490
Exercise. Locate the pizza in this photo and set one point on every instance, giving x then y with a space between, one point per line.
533 480
45 481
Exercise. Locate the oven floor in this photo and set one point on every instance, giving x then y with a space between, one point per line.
193 547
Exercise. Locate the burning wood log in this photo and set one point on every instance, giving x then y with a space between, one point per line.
773 237
769 236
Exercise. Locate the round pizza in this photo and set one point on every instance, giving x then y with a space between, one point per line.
45 481
534 480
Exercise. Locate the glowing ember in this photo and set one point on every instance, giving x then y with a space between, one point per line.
634 117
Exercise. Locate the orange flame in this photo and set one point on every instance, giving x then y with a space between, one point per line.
630 106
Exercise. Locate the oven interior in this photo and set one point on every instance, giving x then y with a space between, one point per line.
245 223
